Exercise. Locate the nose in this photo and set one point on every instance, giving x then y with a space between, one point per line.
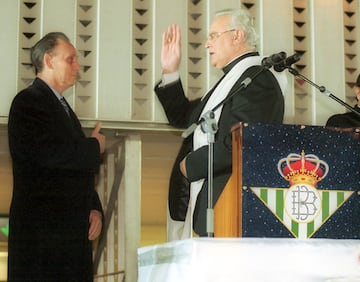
76 65
207 43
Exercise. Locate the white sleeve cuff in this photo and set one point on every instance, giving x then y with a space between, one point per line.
168 78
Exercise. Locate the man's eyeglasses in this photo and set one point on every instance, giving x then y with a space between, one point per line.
216 35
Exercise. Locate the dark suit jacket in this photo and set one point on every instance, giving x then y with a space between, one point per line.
262 102
54 165
345 120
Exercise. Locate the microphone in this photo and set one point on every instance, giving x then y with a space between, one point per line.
189 130
273 60
287 62
206 122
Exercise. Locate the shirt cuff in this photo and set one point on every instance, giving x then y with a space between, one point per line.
168 78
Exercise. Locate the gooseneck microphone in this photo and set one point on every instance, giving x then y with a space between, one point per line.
273 60
287 62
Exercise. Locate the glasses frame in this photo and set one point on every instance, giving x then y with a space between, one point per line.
215 35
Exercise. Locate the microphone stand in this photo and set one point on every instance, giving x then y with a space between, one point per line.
322 89
209 126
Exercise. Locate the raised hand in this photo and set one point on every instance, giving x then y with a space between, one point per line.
171 49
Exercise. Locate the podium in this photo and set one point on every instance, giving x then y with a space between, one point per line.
228 208
288 181
291 181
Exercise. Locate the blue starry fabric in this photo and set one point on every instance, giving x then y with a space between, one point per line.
263 147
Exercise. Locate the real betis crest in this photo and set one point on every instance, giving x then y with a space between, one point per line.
302 208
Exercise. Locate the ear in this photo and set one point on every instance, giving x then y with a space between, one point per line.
48 61
357 92
239 35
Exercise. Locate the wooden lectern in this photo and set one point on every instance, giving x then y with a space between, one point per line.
228 208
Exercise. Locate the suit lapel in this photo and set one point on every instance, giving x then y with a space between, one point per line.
71 122
74 122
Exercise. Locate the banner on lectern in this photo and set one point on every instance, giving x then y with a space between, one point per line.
300 182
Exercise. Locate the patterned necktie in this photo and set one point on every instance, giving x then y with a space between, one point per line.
65 105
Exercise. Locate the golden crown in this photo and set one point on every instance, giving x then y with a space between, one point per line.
305 169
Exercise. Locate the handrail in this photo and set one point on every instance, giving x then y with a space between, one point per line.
119 169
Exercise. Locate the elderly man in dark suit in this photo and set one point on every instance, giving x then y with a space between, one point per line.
231 46
55 211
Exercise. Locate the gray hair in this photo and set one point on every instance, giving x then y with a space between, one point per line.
241 19
45 46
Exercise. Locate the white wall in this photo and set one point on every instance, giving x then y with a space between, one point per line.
118 94
9 24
